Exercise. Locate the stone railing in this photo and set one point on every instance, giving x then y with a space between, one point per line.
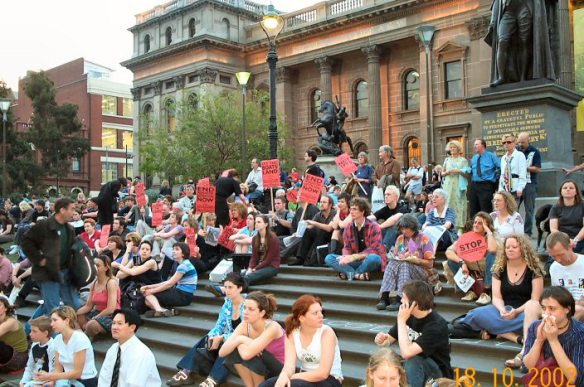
344 6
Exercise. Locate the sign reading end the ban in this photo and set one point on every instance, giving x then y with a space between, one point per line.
205 198
271 173
471 247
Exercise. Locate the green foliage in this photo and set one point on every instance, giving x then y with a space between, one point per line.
56 129
207 137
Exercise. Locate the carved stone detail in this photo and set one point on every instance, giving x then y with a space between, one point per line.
207 75
325 63
372 52
136 93
478 27
283 75
179 81
157 87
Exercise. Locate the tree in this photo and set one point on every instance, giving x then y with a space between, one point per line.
56 129
207 137
20 165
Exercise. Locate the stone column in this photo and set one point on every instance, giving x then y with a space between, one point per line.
285 105
326 88
565 70
374 90
136 94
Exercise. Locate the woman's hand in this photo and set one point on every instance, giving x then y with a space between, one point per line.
381 338
550 328
283 381
540 334
216 342
464 268
509 315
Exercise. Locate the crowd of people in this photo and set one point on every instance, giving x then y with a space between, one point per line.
151 268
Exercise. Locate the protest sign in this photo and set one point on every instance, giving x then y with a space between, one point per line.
157 214
346 164
311 189
292 196
140 194
205 198
191 239
271 173
471 246
105 232
205 182
224 238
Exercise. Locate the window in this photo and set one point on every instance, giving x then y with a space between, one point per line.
147 118
109 105
193 78
412 90
194 100
128 140
109 171
168 35
109 138
75 165
192 28
225 79
413 150
169 85
453 80
227 27
361 100
146 44
315 103
170 115
128 107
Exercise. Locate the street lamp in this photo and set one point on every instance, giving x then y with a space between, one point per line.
4 106
426 33
242 78
272 24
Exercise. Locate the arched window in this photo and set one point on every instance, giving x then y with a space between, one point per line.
227 27
412 150
192 28
315 103
168 35
170 115
361 99
147 118
412 90
146 44
194 101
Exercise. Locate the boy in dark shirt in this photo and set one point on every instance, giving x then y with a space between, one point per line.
422 335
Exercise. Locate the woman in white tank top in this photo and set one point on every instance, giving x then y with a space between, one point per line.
312 344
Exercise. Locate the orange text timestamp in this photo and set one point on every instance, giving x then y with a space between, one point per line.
544 377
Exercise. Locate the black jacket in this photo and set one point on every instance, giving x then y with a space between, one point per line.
42 241
107 202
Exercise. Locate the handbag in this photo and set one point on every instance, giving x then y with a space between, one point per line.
133 298
82 269
544 374
479 285
205 357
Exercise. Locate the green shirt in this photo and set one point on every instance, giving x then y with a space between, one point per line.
63 237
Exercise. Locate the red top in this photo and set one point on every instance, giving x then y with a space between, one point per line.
91 240
100 298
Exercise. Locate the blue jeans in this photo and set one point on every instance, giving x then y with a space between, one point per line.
419 369
260 275
53 292
528 197
218 371
371 263
389 237
490 260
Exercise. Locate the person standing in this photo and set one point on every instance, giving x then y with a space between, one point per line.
128 362
364 175
48 246
485 167
533 159
513 169
225 187
414 176
389 169
455 181
312 168
107 200
254 178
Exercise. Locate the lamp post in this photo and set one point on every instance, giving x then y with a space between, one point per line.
272 24
426 33
4 106
242 78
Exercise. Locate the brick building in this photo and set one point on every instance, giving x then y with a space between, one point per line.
105 109
366 52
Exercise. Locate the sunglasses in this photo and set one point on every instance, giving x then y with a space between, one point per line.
507 142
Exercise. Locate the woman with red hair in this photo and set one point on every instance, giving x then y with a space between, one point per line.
313 344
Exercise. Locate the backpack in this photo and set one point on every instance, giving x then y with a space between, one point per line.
132 298
82 270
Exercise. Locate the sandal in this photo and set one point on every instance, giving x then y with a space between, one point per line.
519 340
362 277
342 276
516 362
485 335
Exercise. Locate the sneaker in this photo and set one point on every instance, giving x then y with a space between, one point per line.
13 250
484 299
181 378
381 305
393 307
448 273
470 296
438 288
215 289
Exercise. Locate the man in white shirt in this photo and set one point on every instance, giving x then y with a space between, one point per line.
188 201
128 360
255 176
414 177
567 269
513 168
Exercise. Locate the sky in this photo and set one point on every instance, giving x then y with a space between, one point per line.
40 34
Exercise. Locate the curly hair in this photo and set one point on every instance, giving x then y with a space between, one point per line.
527 254
510 202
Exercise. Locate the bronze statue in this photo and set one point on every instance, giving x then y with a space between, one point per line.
332 118
520 35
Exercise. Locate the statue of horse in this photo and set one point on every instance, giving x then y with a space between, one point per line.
332 118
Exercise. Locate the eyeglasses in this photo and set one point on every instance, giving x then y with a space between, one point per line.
129 240
507 142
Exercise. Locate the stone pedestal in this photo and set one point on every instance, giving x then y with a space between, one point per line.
542 109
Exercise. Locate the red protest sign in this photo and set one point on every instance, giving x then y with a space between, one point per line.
271 173
140 194
292 196
471 246
204 182
191 239
105 232
224 238
346 164
205 198
311 187
157 214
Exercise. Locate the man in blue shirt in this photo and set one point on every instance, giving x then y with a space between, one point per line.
485 167
533 158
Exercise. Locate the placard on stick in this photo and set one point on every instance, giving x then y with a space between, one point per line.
471 246
157 214
271 173
205 182
205 198
105 232
311 189
224 238
140 194
346 164
292 196
191 239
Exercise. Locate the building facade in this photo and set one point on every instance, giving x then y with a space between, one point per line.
366 53
106 111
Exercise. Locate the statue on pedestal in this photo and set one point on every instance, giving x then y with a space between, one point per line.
332 118
521 35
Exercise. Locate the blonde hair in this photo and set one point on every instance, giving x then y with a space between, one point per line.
510 203
386 356
457 144
66 312
527 254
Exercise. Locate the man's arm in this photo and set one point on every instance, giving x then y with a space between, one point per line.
31 242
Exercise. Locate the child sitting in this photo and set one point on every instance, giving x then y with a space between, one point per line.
42 354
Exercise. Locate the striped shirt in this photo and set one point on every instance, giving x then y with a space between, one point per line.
188 282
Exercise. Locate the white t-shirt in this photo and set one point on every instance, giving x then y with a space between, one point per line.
77 342
571 277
